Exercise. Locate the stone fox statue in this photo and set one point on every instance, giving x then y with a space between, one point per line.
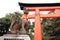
18 26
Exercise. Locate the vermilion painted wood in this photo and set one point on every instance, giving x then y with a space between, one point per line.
43 16
57 11
43 8
38 28
37 16
31 16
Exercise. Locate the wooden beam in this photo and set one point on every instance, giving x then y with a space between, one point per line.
50 16
57 11
43 8
42 16
31 16
28 16
38 26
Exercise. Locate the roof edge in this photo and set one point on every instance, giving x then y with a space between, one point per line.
22 5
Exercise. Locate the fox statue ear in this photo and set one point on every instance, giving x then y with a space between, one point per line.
26 11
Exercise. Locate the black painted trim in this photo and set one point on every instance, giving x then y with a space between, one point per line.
22 5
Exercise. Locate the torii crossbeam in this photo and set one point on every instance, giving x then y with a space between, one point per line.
37 16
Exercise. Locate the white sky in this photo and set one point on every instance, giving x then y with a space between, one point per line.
7 6
40 1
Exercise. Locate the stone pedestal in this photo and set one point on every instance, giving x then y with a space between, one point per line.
15 37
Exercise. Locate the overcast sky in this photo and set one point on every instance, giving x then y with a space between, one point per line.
7 6
40 1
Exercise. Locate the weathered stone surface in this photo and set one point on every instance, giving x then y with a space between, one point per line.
15 37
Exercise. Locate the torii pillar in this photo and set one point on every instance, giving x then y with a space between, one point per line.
37 16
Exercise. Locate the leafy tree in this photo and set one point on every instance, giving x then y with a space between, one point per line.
6 21
51 28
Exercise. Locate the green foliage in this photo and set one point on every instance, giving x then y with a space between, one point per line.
4 25
51 27
31 36
6 21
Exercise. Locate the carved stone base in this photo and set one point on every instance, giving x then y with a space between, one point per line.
15 37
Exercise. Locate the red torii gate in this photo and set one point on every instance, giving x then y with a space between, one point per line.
37 16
